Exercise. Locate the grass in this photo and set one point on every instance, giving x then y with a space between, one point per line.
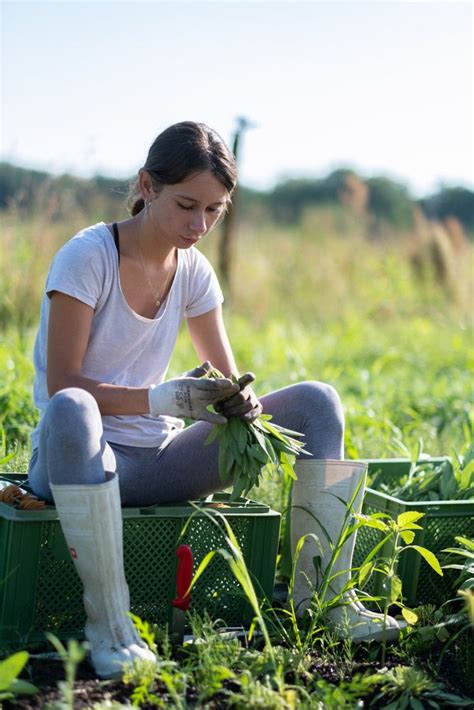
319 301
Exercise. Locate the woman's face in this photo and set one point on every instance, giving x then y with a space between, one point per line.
184 212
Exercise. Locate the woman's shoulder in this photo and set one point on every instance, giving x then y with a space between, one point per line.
91 243
83 265
195 260
95 237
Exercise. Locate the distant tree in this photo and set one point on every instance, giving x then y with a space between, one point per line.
19 184
390 202
451 202
32 189
287 201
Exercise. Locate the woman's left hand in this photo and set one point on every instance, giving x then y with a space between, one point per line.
244 404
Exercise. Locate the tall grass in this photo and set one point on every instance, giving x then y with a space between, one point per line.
319 301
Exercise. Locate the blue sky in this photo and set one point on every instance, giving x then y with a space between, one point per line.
384 87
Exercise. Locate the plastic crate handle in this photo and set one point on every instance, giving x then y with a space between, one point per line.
184 576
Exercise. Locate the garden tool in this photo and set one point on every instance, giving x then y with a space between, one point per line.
320 497
91 520
184 576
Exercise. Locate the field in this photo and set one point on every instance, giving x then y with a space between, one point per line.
381 319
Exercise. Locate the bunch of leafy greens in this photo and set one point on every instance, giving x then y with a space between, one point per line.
248 449
448 480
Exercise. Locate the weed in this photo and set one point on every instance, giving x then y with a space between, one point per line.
10 684
407 687
71 657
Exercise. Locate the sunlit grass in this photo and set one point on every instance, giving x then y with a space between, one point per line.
308 303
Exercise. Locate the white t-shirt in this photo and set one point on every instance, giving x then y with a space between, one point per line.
124 347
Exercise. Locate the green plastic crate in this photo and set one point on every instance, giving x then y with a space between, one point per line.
41 591
442 521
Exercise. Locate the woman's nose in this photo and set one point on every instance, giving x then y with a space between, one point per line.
198 225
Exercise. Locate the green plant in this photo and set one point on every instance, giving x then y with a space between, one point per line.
149 679
142 674
346 695
406 687
466 551
449 480
4 457
261 693
235 558
146 676
312 629
71 657
212 656
10 684
246 449
401 534
461 622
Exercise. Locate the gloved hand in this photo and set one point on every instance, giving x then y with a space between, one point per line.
199 371
244 404
189 396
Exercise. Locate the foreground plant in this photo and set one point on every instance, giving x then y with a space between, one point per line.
406 687
10 684
401 534
71 657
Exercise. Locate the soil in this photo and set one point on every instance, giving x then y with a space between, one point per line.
45 673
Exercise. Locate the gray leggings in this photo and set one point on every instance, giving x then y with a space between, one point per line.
73 450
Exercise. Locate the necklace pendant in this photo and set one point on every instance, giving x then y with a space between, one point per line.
157 302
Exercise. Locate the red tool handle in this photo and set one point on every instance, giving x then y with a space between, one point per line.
184 576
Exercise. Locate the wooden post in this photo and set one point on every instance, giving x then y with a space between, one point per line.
229 225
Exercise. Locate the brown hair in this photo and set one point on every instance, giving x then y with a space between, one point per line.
180 151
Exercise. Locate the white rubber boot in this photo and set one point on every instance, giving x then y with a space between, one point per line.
91 520
315 498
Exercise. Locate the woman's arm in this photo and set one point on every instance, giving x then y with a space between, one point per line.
209 337
68 335
210 341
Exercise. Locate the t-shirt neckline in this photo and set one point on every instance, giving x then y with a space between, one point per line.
164 305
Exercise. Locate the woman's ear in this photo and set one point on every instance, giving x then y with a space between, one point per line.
146 184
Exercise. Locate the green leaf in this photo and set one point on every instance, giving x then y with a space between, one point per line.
213 434
465 541
242 439
429 557
11 667
410 516
392 588
258 453
201 568
364 572
409 616
287 466
407 536
370 522
23 687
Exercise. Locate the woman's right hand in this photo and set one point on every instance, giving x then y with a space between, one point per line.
190 397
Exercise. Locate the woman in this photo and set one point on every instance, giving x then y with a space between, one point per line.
111 430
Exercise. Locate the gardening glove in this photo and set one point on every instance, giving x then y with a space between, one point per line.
199 371
244 404
190 397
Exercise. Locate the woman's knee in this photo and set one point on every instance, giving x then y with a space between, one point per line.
321 399
72 410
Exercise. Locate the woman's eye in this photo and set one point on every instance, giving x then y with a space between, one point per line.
184 207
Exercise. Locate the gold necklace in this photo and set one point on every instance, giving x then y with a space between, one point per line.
156 294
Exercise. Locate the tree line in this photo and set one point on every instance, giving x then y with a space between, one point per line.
380 197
